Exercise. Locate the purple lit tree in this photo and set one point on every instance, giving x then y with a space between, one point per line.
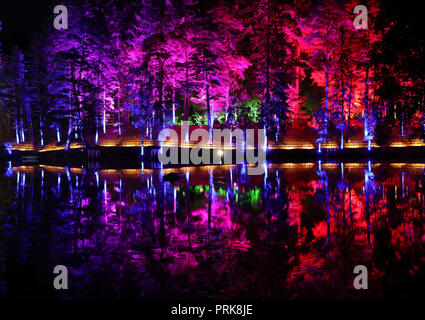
229 26
41 86
81 61
139 102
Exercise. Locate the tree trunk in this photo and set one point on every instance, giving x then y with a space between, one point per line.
161 95
41 132
29 119
327 98
186 104
119 121
342 88
349 104
207 91
104 113
58 134
268 62
17 131
366 108
142 147
174 105
68 136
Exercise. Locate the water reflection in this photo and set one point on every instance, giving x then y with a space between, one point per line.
295 232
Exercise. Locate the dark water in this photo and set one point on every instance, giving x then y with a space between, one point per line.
296 232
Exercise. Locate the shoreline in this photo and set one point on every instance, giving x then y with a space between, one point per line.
130 156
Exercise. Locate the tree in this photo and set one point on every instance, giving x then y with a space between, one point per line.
183 50
41 87
229 26
144 55
321 45
119 18
205 62
370 111
79 60
271 58
399 74
14 96
140 102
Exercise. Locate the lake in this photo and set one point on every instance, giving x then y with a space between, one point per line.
295 232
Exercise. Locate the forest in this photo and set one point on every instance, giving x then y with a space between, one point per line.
138 67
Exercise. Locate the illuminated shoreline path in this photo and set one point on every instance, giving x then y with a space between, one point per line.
134 141
299 137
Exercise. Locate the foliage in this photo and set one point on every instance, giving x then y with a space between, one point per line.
268 62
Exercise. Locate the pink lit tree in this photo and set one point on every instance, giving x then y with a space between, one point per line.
320 45
232 63
272 56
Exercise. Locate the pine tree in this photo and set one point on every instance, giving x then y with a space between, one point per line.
272 53
232 63
40 86
78 58
15 98
4 122
139 102
321 45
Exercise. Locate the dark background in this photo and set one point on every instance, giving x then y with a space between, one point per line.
22 18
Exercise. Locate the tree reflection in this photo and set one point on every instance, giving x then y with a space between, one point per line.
296 231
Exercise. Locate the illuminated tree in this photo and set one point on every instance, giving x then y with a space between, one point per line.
321 45
396 59
5 124
139 102
14 96
271 57
229 26
38 82
239 62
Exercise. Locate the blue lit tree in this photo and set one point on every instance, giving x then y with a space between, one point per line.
14 96
139 101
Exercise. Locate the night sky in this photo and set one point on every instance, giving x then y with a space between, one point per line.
21 19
